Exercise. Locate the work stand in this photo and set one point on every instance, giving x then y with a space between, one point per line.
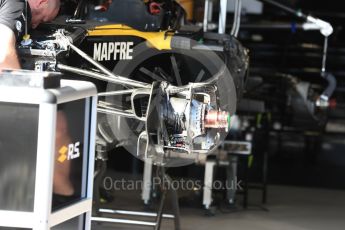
129 217
229 156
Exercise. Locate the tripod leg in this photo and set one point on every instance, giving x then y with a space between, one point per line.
162 201
102 167
160 211
166 185
96 195
175 204
264 178
231 179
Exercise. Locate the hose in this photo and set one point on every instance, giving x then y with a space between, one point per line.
332 84
238 23
237 18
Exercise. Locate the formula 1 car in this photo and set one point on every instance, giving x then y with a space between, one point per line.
167 88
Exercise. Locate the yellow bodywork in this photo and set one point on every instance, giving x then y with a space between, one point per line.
160 40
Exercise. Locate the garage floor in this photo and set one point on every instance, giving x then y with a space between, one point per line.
290 208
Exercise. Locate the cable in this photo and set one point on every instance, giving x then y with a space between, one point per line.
239 9
332 84
324 56
234 21
233 30
286 8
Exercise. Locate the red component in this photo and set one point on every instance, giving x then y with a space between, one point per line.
154 8
217 119
104 6
332 103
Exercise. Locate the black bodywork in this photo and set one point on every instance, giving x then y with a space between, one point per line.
136 15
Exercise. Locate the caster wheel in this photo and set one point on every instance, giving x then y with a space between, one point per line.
105 197
210 211
148 207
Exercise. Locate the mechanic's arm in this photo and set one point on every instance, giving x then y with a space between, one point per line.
8 53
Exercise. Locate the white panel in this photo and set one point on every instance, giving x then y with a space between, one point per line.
248 6
10 219
45 164
70 212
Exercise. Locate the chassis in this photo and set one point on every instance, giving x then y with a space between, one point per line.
164 85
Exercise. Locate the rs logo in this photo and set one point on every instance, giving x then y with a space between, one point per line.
69 153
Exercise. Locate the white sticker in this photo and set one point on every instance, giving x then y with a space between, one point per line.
19 26
113 51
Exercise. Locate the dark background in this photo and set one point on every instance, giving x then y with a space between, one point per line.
299 158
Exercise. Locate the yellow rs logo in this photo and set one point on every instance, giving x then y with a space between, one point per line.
63 154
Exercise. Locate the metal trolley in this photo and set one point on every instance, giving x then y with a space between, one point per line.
33 108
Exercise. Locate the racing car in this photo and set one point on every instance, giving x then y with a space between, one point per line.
167 89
